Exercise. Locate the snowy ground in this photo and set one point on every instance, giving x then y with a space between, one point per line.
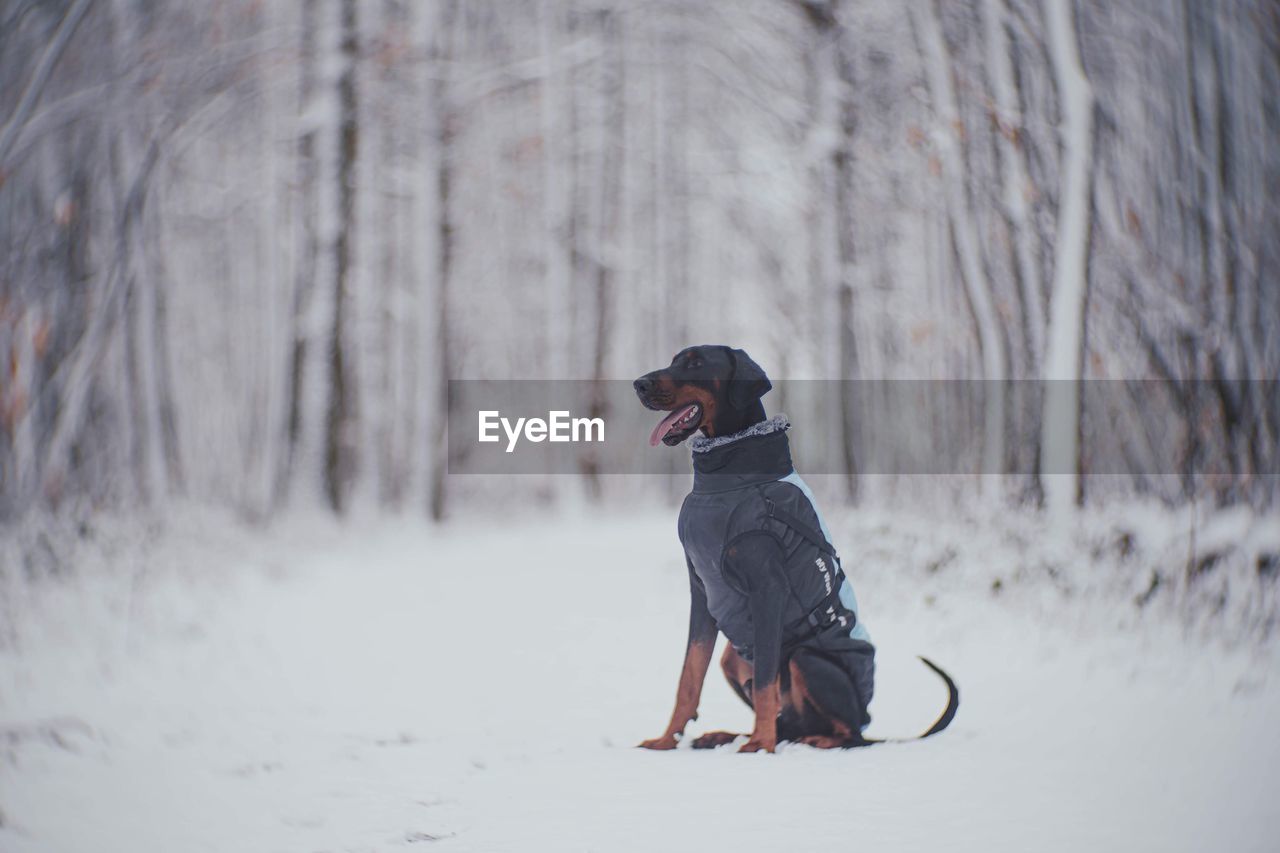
380 686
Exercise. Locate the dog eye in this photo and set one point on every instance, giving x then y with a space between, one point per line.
694 363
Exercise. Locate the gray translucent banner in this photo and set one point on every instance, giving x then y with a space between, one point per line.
1135 428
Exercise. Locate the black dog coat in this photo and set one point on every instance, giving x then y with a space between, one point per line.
749 509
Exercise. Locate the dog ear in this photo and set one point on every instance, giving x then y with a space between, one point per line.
747 382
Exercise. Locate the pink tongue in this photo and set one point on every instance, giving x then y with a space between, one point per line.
664 427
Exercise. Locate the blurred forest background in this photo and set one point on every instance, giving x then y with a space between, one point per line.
245 244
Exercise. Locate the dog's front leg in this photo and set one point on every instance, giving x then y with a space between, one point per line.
697 659
757 562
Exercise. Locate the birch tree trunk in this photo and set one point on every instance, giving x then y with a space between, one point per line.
1016 182
1064 356
307 249
846 321
950 137
833 256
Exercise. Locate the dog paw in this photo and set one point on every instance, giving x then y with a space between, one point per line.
711 740
664 742
754 745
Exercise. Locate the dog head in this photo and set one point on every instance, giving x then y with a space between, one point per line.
713 388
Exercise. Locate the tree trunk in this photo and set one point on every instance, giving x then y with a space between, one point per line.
551 115
308 251
1016 182
605 256
1064 356
1016 209
964 234
340 424
446 127
846 322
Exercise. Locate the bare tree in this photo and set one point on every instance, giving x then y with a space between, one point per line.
340 423
39 79
307 250
446 118
1064 357
951 136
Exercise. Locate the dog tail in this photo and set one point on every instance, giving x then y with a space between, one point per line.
948 713
953 700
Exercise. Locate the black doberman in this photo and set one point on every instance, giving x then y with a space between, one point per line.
712 388
761 566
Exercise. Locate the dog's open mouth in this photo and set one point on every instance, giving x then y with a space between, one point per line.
677 426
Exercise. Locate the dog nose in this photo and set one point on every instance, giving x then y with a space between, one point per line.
642 385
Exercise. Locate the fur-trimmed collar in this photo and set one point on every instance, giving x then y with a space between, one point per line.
777 423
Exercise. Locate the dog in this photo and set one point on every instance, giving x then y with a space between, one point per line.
762 569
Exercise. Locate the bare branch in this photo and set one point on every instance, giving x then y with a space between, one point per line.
40 78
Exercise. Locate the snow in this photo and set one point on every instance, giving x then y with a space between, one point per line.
380 684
